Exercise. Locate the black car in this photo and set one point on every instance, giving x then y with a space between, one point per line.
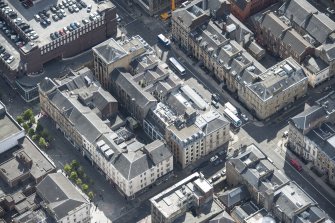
3 5
25 5
57 34
12 15
28 30
44 23
2 50
25 26
60 15
79 6
53 9
53 36
83 4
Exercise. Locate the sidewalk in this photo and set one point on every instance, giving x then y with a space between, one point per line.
306 168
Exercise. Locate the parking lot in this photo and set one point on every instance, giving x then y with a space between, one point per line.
54 16
9 47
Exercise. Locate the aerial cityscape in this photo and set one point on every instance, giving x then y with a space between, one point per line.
167 111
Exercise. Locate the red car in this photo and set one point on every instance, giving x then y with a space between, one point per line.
296 164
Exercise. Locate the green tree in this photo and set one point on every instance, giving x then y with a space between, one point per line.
32 120
90 195
44 134
67 168
74 164
42 143
19 119
35 138
79 182
73 175
39 127
25 126
27 114
85 187
31 132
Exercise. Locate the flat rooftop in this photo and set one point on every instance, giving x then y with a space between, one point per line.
7 127
13 167
27 16
168 201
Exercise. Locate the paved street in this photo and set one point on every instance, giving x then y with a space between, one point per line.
266 135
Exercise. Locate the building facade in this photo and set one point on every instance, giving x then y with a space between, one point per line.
279 38
62 200
275 89
311 136
128 164
194 192
270 188
81 39
11 131
242 9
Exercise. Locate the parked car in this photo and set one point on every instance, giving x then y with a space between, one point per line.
215 104
37 18
10 60
212 159
295 163
244 117
331 11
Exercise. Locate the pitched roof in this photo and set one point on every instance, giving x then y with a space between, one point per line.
110 50
60 194
231 197
222 218
124 80
272 23
305 15
309 115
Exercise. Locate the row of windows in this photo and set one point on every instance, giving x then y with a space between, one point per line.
71 36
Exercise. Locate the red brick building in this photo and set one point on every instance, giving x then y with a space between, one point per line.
242 9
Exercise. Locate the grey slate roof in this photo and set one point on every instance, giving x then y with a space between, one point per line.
192 15
297 43
124 80
309 115
232 197
60 194
158 151
274 80
222 218
329 51
317 24
110 50
323 137
298 10
272 23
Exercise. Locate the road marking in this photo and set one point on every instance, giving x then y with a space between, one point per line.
129 23
305 179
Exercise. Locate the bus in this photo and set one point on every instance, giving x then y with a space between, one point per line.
163 40
231 108
232 117
177 66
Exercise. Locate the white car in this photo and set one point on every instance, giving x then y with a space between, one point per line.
213 158
331 11
245 117
10 60
89 8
